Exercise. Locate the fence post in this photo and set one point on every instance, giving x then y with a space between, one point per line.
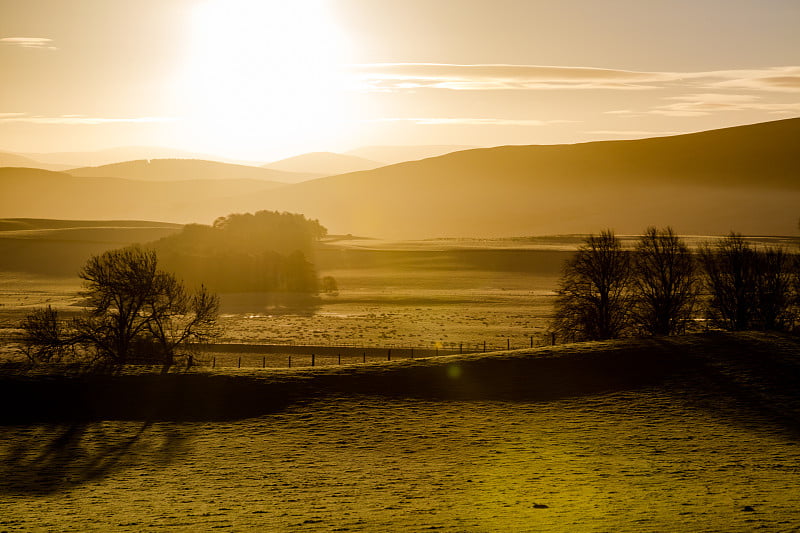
312 359
531 341
263 361
239 364
364 357
290 361
552 338
213 362
340 359
508 344
460 347
389 355
484 346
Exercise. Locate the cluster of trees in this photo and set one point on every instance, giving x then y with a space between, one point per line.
139 309
262 252
137 312
661 287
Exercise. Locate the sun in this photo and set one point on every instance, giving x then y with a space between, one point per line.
264 76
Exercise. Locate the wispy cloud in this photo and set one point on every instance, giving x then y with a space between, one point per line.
413 76
29 42
697 105
404 76
465 121
75 119
782 79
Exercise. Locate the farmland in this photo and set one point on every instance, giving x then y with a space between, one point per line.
710 447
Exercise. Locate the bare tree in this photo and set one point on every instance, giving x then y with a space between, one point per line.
594 298
730 266
179 319
135 308
664 282
45 338
118 284
774 285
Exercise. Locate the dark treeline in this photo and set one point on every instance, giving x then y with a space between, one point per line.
267 251
661 287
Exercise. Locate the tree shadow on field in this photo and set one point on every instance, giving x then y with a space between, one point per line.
51 458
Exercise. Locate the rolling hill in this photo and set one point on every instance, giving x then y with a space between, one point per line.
743 178
398 154
35 193
323 164
106 156
185 169
10 159
32 245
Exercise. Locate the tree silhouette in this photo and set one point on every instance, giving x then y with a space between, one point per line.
730 266
46 339
774 284
136 311
664 283
594 298
262 252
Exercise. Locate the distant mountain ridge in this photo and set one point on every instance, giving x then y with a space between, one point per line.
323 164
36 193
390 155
107 156
743 178
184 169
10 159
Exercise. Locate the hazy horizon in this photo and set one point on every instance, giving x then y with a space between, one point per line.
262 81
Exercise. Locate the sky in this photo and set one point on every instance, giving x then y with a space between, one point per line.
261 79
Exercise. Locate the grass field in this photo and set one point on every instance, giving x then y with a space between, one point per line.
690 434
423 297
689 447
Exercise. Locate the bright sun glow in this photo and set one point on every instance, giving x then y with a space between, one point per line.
264 77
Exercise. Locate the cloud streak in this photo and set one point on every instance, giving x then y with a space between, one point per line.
698 105
6 118
390 77
465 121
404 76
29 42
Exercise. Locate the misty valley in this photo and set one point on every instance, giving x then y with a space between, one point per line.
446 355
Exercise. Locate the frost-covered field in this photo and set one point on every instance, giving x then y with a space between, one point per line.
688 454
411 302
649 460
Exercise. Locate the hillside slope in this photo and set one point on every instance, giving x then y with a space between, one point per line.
35 193
323 164
184 169
743 178
757 370
61 247
391 154
10 159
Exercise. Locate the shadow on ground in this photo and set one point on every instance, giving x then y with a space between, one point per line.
759 369
43 459
55 430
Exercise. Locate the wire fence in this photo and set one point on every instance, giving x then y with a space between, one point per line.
240 355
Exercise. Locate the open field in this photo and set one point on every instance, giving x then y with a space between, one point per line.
489 307
423 298
694 432
657 435
446 293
